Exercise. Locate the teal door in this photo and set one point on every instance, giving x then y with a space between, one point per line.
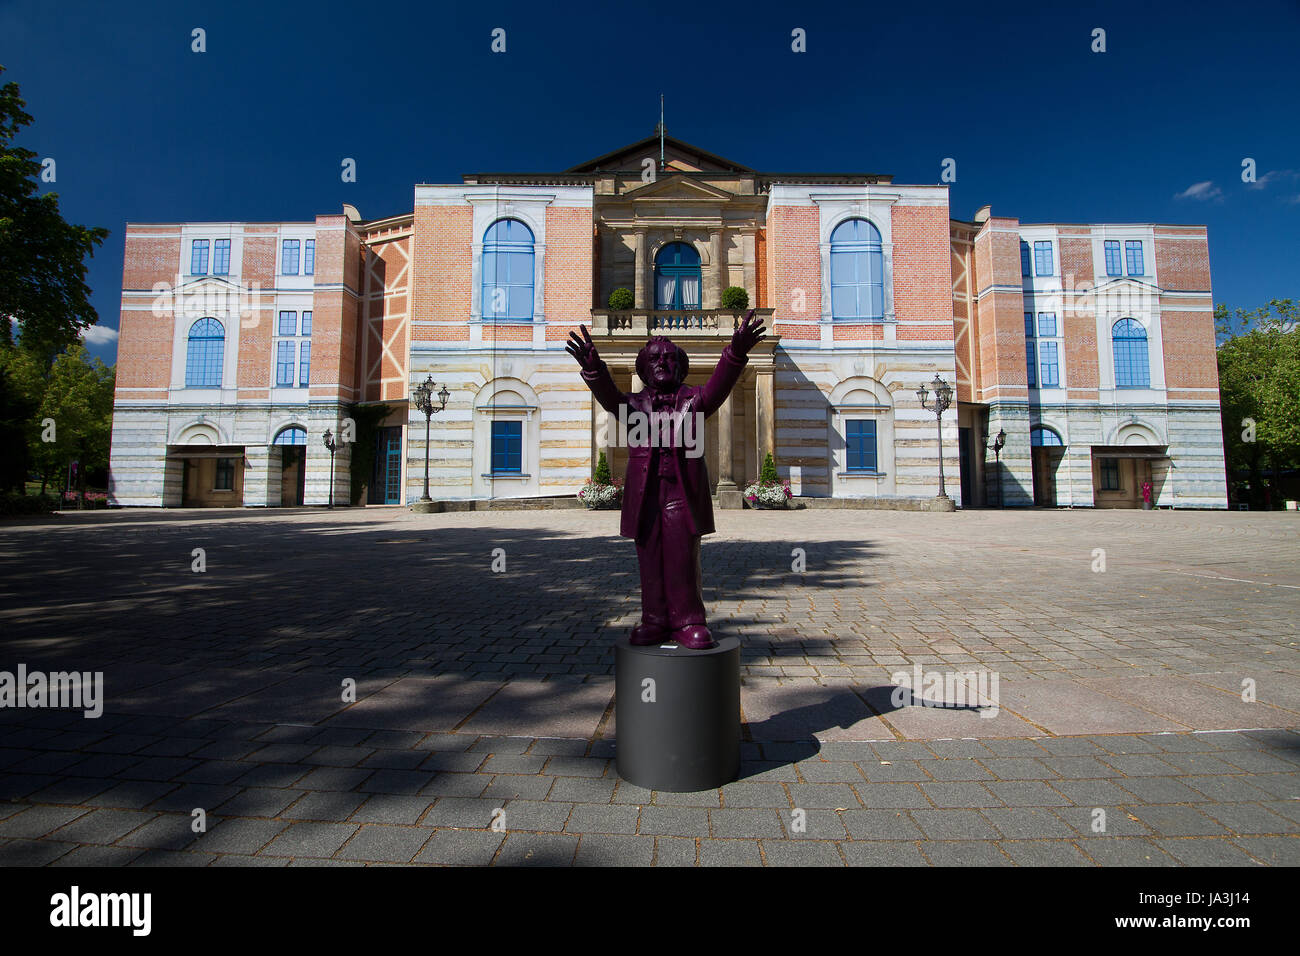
386 482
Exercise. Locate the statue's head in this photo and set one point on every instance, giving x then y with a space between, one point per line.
662 365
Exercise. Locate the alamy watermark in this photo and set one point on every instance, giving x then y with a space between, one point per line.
667 429
977 690
82 690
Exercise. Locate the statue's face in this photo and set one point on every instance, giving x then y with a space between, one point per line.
662 365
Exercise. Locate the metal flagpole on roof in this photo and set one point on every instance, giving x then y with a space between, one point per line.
661 131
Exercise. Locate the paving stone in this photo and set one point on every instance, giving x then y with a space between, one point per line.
461 812
827 796
897 771
801 853
96 856
239 836
674 821
537 849
1029 823
1026 793
454 762
1178 821
502 745
882 854
955 795
461 847
380 843
582 789
259 802
611 818
1275 851
172 858
171 831
1125 851
730 853
325 805
880 825
741 823
606 850
536 815
1249 819
102 826
1205 852
311 839
964 853
954 825
33 852
1044 853
37 821
456 785
1159 790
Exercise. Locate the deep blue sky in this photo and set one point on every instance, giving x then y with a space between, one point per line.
144 130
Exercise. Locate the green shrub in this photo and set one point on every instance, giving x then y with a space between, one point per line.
620 300
735 299
12 504
602 476
769 469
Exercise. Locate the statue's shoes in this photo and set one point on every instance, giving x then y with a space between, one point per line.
648 634
694 636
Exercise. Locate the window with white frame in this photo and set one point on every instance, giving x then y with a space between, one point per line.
293 349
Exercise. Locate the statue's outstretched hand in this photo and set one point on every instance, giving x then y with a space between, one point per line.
748 334
583 349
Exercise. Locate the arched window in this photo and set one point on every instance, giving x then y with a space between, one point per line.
677 277
293 435
857 271
508 271
1129 341
1040 436
204 353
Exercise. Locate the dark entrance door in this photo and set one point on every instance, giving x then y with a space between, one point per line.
386 480
964 450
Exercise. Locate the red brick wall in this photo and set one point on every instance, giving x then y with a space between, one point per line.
442 261
1079 329
1190 358
569 264
1182 265
144 344
922 272
796 264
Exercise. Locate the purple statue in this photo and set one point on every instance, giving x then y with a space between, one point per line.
666 501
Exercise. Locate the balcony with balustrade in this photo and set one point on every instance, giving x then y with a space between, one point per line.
685 324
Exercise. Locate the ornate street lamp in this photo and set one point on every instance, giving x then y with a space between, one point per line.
997 446
942 399
331 445
423 399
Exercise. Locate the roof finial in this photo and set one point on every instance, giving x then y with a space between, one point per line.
661 131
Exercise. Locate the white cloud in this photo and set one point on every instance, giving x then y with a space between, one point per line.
99 335
1273 176
1201 191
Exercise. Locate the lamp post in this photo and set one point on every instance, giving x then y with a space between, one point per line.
423 398
942 399
331 445
997 446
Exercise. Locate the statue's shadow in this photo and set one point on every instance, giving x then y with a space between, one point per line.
788 735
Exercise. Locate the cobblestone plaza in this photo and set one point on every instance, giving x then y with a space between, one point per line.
1146 666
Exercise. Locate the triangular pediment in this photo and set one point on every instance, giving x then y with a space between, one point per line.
679 189
677 155
197 283
1123 285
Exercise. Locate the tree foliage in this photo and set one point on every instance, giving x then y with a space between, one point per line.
43 291
1259 388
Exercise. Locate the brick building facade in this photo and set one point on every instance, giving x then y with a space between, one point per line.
1089 347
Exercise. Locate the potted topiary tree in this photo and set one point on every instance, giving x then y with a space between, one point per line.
601 492
620 300
769 491
734 299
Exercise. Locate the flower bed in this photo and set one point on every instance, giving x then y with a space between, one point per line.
601 497
768 494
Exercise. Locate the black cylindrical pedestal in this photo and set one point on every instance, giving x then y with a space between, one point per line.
678 715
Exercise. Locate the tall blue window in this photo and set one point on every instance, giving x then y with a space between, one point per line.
199 257
221 257
203 354
1043 258
677 277
1024 258
1050 364
507 448
1031 362
508 271
309 257
1029 325
306 323
1041 436
857 271
289 257
1129 343
284 364
1046 324
1113 265
304 365
1133 251
293 435
288 323
860 439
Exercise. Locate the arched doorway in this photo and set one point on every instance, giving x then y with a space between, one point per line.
1048 452
293 465
677 278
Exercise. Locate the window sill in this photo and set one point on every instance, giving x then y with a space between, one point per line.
498 476
861 474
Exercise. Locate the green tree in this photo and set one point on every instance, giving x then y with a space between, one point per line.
768 472
42 258
1259 391
76 410
602 475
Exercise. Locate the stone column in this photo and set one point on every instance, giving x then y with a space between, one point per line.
764 414
643 279
262 476
719 269
728 493
748 244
